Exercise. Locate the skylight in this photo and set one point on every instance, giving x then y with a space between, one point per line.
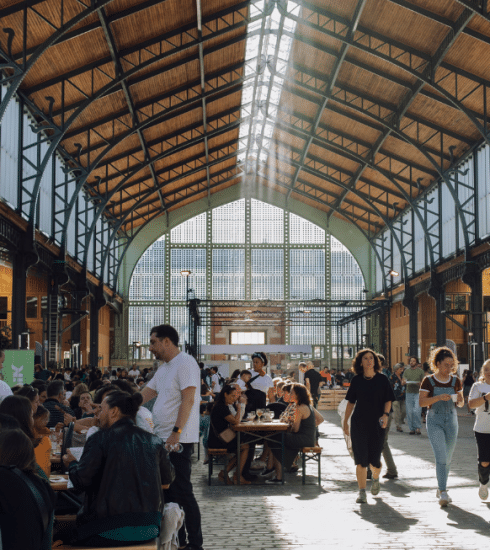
268 47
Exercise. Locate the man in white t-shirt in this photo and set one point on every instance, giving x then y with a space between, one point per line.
4 387
134 372
176 386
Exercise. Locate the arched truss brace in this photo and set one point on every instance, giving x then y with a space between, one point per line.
365 198
20 71
353 43
342 213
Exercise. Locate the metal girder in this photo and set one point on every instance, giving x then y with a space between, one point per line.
127 94
346 151
400 112
331 83
381 115
146 123
315 167
20 70
183 95
69 35
183 39
413 61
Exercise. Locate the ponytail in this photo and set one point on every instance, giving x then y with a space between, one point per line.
126 403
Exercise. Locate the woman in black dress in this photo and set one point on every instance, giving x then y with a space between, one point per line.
371 394
226 413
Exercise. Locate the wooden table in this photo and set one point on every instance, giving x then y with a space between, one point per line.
261 430
55 458
61 484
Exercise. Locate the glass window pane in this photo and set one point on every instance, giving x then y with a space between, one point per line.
192 231
247 338
31 307
302 231
228 274
194 260
267 274
307 274
229 223
148 281
267 223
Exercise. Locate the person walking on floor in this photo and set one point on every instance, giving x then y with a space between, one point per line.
176 386
391 471
479 399
371 394
413 376
439 392
399 385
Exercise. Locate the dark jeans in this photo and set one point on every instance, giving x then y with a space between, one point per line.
181 492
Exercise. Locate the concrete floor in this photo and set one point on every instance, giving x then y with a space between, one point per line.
405 515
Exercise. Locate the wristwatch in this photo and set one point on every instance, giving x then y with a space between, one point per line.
386 414
177 430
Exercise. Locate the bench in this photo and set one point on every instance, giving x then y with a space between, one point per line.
314 454
212 454
150 545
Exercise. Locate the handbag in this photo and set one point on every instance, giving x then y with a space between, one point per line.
226 435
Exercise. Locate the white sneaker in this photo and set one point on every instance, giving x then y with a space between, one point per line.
438 495
483 491
444 499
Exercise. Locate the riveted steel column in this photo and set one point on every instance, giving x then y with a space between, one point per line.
438 292
473 278
411 303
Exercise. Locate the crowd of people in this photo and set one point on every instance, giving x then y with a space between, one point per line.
138 429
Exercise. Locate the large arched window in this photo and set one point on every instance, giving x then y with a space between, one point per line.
244 250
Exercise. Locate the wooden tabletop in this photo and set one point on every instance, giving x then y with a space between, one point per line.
58 482
261 427
55 458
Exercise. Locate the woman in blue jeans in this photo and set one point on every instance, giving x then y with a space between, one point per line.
440 392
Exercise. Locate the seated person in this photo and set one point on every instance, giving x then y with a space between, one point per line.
55 403
244 379
144 417
302 434
122 470
31 393
280 405
85 407
221 418
21 524
42 451
204 418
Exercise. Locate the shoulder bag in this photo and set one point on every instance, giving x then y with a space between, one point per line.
226 436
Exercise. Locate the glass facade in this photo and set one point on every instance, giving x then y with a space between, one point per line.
245 250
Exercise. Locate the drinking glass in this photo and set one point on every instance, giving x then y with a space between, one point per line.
251 416
260 412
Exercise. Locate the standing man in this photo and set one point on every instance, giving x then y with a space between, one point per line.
313 380
176 387
215 380
414 376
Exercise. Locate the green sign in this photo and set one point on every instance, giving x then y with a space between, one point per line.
18 367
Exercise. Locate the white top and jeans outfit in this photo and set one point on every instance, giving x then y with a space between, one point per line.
169 381
482 429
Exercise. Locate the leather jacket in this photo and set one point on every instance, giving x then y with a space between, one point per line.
122 470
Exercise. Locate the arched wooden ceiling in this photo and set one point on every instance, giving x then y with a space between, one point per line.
352 106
